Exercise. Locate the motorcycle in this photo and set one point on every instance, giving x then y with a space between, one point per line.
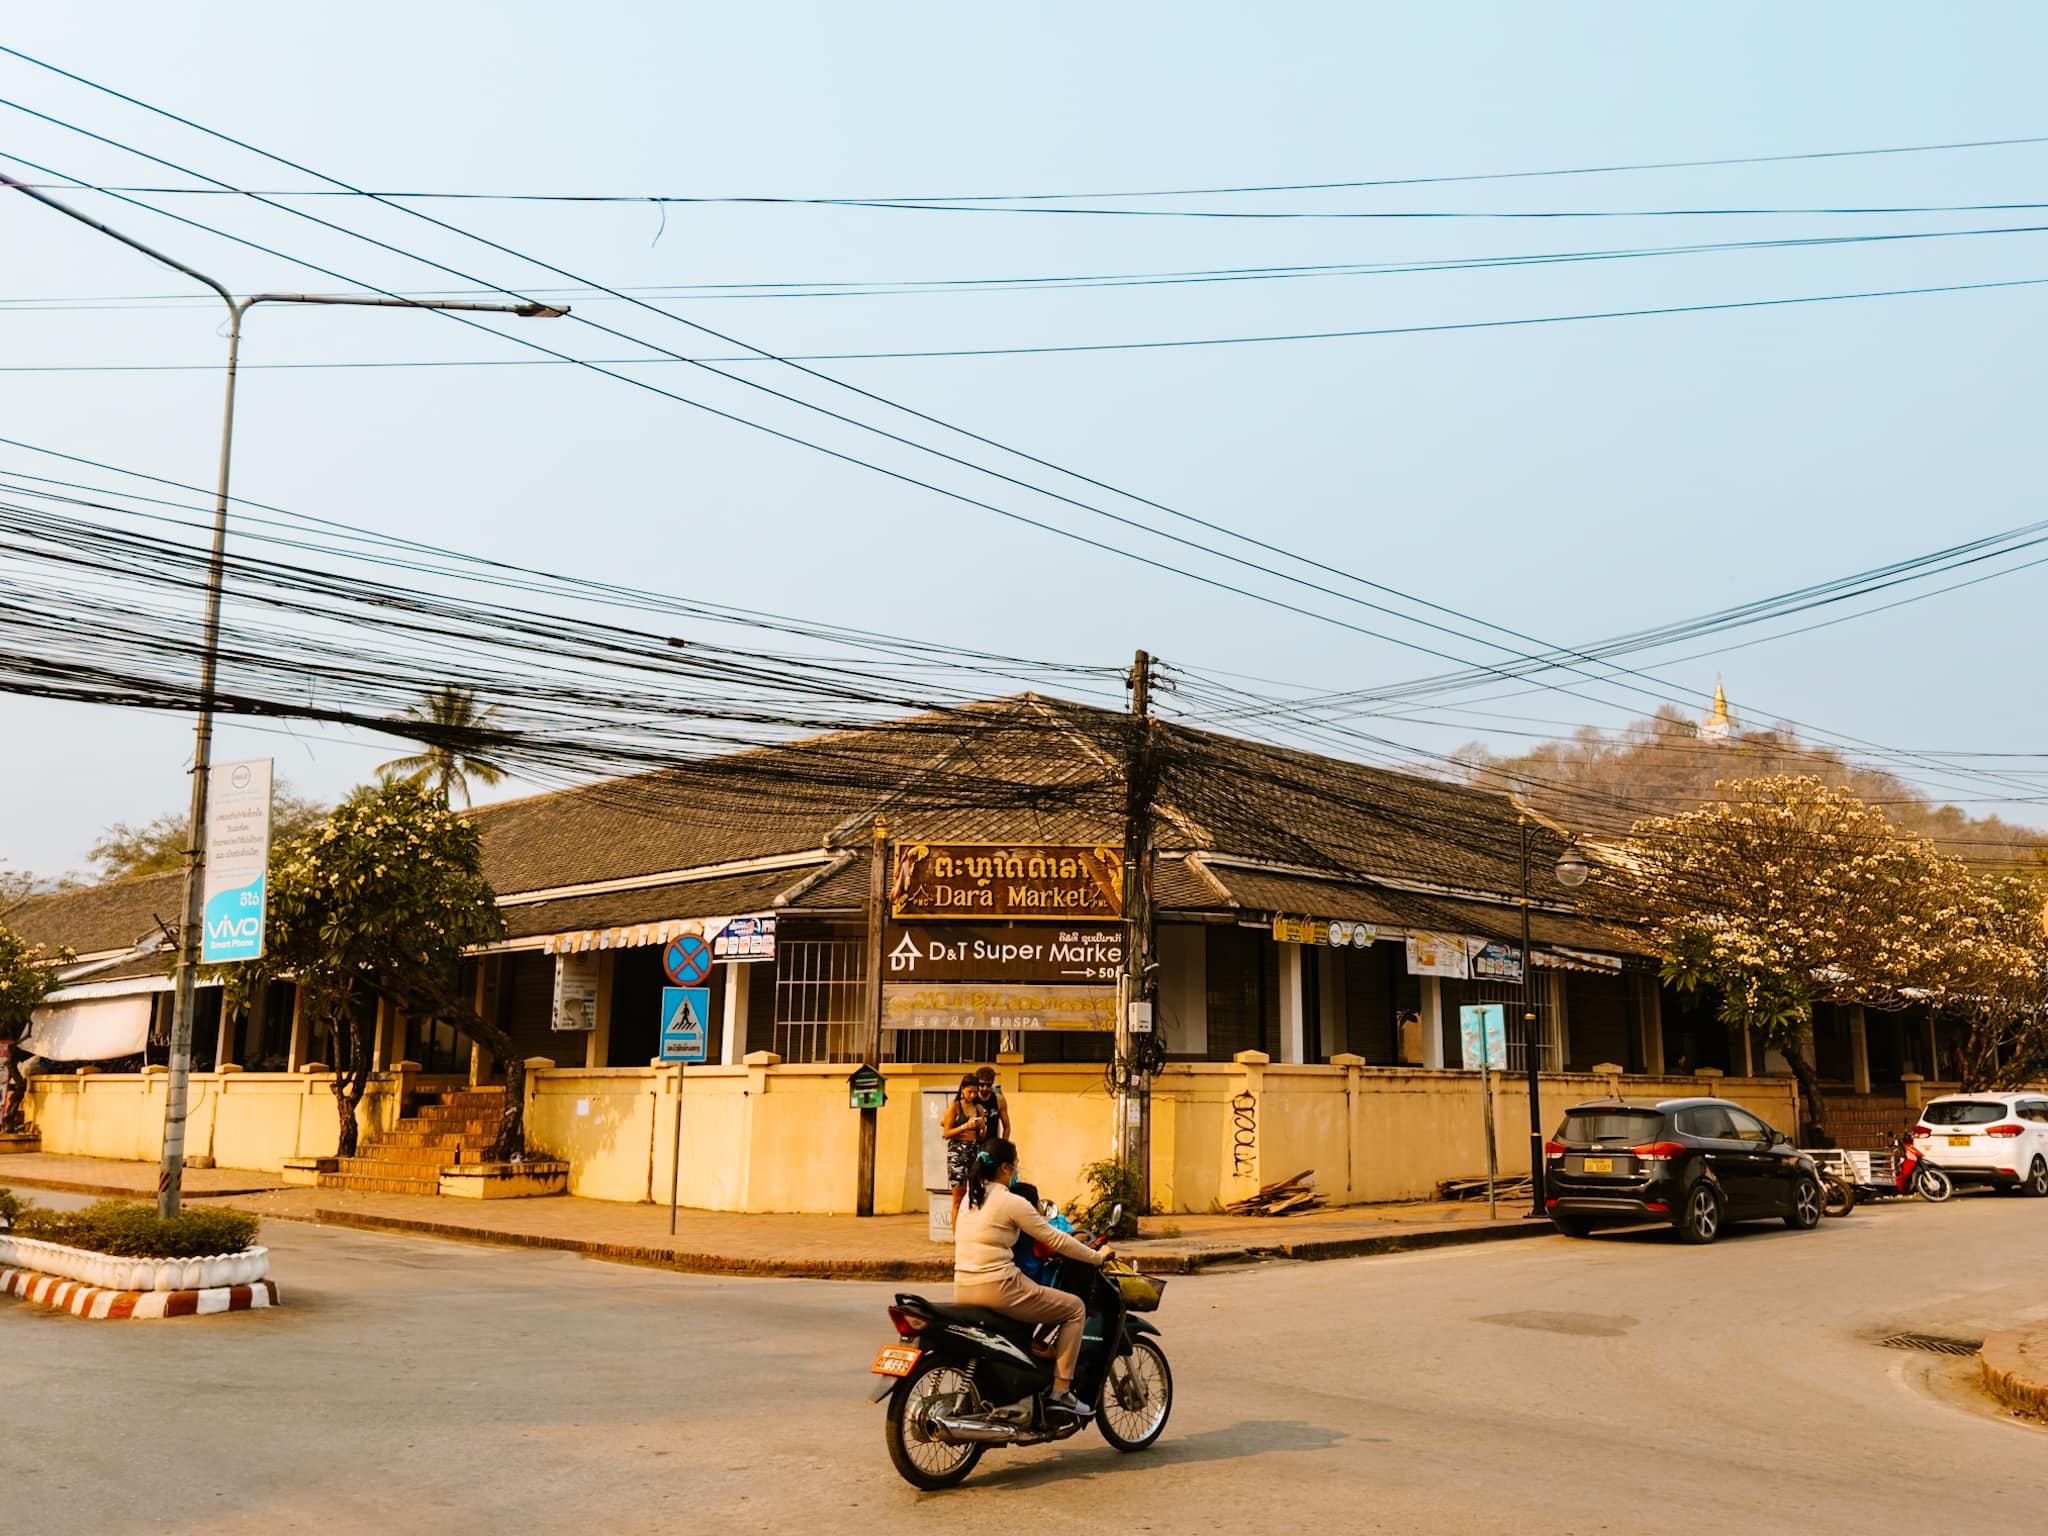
964 1379
1916 1175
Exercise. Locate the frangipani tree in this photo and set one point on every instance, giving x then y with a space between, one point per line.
378 903
1785 892
28 974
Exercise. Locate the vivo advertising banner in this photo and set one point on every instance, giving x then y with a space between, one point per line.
237 860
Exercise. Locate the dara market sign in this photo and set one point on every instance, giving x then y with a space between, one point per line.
1036 882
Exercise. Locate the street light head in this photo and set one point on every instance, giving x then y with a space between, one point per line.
1572 867
541 311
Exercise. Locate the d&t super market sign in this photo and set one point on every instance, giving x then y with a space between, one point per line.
1053 882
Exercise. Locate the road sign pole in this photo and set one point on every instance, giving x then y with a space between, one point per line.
675 1162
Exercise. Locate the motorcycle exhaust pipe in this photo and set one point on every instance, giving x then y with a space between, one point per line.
976 1431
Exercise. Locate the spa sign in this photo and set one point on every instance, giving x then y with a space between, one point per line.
1054 882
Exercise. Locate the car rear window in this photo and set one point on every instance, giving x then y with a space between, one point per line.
1629 1125
1964 1112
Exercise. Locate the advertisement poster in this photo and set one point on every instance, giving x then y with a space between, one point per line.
237 861
1438 954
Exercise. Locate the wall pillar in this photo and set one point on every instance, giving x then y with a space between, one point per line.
1432 1023
739 978
597 1045
1291 1024
1650 1024
1244 1126
295 1052
1859 1048
1354 1139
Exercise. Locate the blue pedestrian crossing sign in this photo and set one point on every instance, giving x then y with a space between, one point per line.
684 1031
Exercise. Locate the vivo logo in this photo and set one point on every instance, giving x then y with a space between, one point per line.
235 928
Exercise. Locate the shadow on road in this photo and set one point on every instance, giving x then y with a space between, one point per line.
1258 1437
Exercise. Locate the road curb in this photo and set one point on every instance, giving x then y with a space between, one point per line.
2015 1367
936 1268
126 1191
82 1300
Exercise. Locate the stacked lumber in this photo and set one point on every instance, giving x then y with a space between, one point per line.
1517 1188
1288 1197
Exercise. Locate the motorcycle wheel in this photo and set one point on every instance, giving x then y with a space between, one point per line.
920 1460
1838 1199
1934 1184
1136 1397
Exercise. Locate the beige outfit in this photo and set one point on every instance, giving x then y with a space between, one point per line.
985 1272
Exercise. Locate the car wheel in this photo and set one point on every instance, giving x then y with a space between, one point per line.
1805 1213
1571 1226
2037 1179
1700 1221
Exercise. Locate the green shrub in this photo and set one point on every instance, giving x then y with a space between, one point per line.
11 1206
1108 1184
132 1231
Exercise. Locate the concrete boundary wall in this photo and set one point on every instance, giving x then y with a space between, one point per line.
765 1136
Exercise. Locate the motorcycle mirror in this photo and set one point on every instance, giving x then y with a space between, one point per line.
1116 1217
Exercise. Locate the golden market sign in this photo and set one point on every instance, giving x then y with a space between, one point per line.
1056 882
907 1005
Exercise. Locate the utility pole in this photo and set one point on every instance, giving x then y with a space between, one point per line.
1532 1051
1137 1050
171 1171
871 1026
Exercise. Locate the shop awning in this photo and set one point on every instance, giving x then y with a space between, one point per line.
95 1030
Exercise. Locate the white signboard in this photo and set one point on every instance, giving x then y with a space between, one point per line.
237 861
575 992
1437 954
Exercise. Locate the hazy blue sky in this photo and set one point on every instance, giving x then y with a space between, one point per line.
1570 480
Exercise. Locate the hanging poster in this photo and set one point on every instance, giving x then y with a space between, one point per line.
1493 960
237 867
1438 954
575 992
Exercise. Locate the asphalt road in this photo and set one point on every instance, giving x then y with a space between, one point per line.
1625 1384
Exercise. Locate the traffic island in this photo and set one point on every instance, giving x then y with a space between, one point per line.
120 1258
2015 1367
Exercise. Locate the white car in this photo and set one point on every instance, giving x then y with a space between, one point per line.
1988 1138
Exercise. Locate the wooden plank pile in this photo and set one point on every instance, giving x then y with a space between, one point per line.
1289 1197
1516 1188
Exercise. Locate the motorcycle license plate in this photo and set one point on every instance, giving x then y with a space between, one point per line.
1959 1141
895 1360
1598 1165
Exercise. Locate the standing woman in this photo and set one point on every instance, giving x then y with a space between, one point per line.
967 1125
985 1272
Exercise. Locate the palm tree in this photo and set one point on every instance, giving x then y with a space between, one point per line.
451 729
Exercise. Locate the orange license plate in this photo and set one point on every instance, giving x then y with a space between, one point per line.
1599 1165
895 1360
1959 1141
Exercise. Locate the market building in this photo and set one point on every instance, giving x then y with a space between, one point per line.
1317 927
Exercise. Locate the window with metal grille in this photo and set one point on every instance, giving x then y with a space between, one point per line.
820 998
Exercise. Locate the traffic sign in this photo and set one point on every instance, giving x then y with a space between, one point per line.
687 960
684 1010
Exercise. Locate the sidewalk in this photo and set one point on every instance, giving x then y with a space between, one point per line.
2015 1369
814 1247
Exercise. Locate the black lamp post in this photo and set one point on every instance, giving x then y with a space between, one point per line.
1571 872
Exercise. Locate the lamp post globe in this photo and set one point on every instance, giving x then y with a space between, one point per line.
1572 868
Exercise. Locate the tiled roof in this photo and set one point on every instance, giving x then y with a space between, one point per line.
100 919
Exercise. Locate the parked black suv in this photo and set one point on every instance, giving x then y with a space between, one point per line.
1696 1163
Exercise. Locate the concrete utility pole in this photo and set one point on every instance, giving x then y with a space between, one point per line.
871 1026
171 1173
1135 1050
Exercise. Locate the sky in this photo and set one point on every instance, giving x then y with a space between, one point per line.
1570 481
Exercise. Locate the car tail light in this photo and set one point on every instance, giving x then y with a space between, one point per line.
1659 1151
2007 1130
2009 1173
1550 1204
1921 1130
908 1324
1553 1149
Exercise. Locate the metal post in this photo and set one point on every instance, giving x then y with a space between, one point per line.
675 1163
871 1030
1532 1054
1133 1143
171 1172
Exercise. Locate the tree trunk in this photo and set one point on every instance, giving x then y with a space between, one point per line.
351 1078
14 1090
1816 1127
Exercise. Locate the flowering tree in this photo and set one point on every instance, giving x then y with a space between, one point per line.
375 904
1785 892
2003 996
28 974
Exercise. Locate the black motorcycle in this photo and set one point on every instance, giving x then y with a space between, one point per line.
965 1378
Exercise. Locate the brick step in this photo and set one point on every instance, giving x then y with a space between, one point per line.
468 1125
421 1157
474 1098
372 1166
366 1184
427 1141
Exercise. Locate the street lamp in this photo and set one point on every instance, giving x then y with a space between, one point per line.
1571 871
171 1174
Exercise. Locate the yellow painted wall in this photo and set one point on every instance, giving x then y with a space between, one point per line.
782 1138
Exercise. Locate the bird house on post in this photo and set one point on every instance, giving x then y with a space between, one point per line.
865 1089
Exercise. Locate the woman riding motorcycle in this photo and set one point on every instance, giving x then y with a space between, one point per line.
985 1272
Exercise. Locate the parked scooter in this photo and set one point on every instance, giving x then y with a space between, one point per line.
1916 1175
963 1379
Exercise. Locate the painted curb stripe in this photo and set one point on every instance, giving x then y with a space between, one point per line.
88 1301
